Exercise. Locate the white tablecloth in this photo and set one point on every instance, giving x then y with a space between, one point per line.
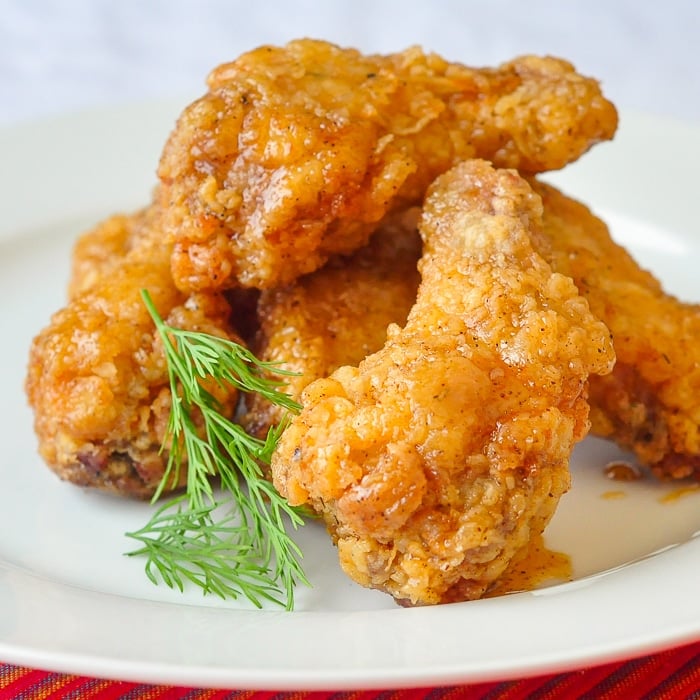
61 56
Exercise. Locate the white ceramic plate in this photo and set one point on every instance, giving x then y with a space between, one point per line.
70 601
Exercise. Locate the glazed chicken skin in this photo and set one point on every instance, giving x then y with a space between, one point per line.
650 403
337 315
647 404
436 459
100 250
297 152
97 378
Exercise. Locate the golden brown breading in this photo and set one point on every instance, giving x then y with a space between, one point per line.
337 315
99 250
297 152
651 401
97 378
436 459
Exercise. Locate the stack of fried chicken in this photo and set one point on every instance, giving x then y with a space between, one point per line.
375 225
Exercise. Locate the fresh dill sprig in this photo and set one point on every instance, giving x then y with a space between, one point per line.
235 544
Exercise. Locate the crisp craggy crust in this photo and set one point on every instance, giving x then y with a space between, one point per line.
97 378
97 252
647 404
337 315
297 152
436 459
650 403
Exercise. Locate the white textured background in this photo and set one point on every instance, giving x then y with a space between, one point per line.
62 56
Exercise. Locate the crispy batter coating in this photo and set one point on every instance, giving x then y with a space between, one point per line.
97 378
103 248
651 401
647 404
98 250
436 459
337 315
297 152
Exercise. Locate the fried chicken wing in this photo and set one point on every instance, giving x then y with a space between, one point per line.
297 152
337 315
97 378
650 403
103 248
436 459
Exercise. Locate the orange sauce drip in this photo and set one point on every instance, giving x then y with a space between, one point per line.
622 471
612 495
679 493
536 567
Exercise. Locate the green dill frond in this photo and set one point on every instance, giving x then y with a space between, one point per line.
235 544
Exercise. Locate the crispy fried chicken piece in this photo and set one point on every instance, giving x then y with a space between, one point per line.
103 248
297 152
97 378
99 250
337 315
436 459
650 403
